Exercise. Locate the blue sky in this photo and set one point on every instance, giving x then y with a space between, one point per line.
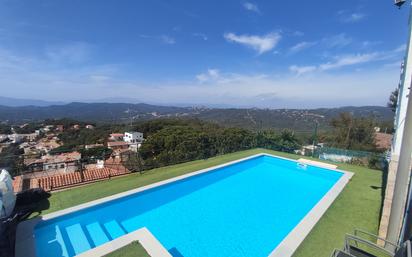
292 54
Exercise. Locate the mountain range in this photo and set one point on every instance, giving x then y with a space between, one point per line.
251 118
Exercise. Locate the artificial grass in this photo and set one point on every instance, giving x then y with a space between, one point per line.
358 206
131 250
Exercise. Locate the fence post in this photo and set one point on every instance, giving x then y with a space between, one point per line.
81 170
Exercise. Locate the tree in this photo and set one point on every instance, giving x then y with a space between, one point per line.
11 159
353 133
285 141
5 129
288 141
393 100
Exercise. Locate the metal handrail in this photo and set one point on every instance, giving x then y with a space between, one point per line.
360 231
349 238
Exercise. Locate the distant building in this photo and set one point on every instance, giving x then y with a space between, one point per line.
47 128
133 137
93 146
60 128
47 144
62 163
3 138
116 136
117 145
18 138
76 126
89 126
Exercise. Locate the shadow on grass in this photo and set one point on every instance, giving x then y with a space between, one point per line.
383 188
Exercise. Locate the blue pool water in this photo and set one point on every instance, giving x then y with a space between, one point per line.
245 209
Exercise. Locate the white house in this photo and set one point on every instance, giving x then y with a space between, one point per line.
16 138
133 137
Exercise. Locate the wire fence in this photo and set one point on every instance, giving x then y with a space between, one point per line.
369 159
32 171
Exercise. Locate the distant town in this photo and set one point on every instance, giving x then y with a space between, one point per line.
48 167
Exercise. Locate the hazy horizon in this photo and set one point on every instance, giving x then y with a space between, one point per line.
21 102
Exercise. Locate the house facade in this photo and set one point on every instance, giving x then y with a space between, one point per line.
133 137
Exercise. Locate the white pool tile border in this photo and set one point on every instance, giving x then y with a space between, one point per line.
25 242
319 164
146 239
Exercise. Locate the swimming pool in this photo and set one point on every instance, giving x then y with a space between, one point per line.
247 208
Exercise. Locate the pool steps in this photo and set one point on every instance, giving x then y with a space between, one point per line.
83 238
97 233
77 238
114 229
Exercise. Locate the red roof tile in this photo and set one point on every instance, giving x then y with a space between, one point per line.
74 178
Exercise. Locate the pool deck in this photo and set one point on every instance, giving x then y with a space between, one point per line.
25 241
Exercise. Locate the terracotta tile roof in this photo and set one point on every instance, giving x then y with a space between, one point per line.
116 135
121 151
63 157
74 178
17 184
111 144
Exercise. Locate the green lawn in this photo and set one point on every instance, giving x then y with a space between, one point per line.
358 206
132 250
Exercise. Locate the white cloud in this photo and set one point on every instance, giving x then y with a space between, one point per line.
395 64
301 46
283 90
251 7
347 60
300 70
163 38
351 17
210 75
168 40
21 74
368 43
401 48
76 52
261 44
99 78
201 35
339 40
298 33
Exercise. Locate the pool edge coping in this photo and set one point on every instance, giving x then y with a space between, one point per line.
25 230
146 239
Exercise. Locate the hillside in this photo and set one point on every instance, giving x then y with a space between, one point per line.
298 119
